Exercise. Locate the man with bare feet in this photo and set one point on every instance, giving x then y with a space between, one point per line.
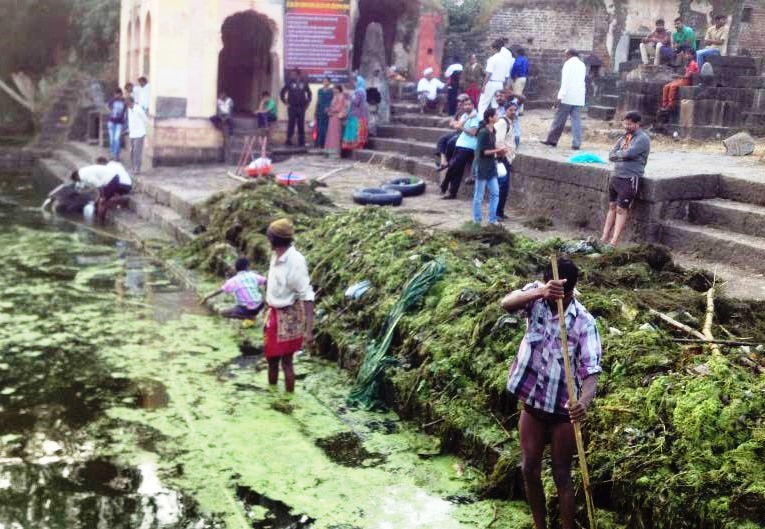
630 155
537 379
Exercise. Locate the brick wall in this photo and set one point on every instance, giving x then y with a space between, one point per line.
751 36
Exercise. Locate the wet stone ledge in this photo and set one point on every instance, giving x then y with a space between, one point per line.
15 160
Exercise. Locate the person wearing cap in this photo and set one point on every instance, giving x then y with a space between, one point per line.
290 297
427 91
245 286
448 142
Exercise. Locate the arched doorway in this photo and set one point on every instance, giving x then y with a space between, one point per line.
387 13
128 58
136 66
245 67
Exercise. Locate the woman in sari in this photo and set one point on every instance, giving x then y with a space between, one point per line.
356 128
323 102
336 113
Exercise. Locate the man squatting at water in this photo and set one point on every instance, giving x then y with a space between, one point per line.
538 380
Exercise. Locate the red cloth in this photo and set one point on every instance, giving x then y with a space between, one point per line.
669 93
273 347
474 92
691 69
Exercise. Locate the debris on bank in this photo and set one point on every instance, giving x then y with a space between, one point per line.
676 437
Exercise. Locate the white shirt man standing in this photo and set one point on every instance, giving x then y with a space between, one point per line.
509 61
497 72
137 128
144 95
570 100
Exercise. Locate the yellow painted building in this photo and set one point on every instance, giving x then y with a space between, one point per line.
191 49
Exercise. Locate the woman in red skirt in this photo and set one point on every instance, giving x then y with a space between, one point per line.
290 297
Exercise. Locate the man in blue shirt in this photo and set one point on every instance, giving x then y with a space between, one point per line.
519 74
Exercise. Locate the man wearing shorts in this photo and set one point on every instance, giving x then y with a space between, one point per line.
630 155
537 379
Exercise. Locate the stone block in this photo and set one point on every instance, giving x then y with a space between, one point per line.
171 107
741 144
750 82
605 113
692 187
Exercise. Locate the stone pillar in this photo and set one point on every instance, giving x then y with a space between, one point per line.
372 69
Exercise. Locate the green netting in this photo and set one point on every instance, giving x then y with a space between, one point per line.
366 392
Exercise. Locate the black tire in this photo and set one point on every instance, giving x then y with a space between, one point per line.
377 196
408 187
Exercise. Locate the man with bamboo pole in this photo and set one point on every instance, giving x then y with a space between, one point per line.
537 379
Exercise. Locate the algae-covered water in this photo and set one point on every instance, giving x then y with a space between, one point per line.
124 405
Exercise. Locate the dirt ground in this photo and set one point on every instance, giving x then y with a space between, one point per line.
601 135
342 177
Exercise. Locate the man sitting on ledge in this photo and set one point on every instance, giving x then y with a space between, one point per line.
714 40
669 93
654 43
427 91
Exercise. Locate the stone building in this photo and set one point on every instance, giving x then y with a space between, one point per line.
191 49
607 33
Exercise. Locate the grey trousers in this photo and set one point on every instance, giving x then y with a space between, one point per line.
136 154
559 123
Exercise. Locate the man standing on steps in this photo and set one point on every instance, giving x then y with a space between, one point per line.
296 94
630 156
464 152
116 107
570 100
497 70
137 125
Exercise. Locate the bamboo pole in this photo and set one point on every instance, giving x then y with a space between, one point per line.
572 401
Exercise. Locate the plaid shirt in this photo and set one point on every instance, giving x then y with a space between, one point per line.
537 376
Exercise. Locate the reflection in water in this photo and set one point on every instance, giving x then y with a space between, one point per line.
66 292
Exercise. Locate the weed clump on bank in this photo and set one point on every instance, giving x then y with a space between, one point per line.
676 437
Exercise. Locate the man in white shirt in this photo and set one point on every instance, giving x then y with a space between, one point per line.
570 101
144 94
223 116
427 91
496 74
113 193
137 125
99 177
509 61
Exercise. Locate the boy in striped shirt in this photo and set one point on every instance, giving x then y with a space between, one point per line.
538 380
245 286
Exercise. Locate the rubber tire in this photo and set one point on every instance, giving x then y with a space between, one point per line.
408 190
376 196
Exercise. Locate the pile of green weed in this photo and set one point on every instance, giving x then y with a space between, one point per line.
676 437
238 221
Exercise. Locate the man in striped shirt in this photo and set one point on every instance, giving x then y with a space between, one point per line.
245 286
537 379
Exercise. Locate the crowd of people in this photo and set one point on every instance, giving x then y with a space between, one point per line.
128 112
665 47
341 119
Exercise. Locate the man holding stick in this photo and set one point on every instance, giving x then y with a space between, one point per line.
537 379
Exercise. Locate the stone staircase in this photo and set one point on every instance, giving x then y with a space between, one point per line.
55 123
605 97
248 126
152 213
729 227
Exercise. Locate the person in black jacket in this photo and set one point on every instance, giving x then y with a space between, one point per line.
297 96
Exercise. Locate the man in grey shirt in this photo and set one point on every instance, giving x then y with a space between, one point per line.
630 154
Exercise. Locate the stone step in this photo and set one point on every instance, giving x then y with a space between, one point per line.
133 226
406 108
608 100
422 120
754 119
169 220
743 190
425 134
70 160
737 217
601 112
405 147
85 152
714 244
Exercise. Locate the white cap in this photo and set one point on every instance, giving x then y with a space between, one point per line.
427 71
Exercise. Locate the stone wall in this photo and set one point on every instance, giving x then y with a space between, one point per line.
15 160
183 141
751 36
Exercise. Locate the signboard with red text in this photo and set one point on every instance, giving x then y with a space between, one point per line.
317 36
